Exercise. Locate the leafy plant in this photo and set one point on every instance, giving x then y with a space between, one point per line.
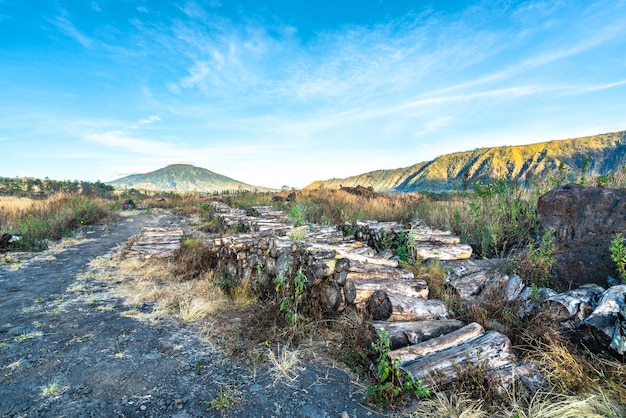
297 214
291 291
394 387
225 398
227 281
618 255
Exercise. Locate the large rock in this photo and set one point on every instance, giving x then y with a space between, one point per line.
585 220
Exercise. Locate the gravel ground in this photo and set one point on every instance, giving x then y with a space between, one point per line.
69 353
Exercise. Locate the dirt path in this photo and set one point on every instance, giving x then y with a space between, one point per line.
74 353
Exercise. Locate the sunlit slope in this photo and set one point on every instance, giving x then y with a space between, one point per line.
183 177
521 162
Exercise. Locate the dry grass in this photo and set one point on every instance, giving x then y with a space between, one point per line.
450 406
285 364
564 406
13 205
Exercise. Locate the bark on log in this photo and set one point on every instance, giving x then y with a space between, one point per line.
443 342
333 297
408 287
491 351
360 270
349 292
434 236
581 301
470 284
606 326
403 333
443 252
389 306
156 243
504 379
367 260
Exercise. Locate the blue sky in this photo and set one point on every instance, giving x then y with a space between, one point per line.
277 93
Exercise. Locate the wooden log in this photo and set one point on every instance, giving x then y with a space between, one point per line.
443 342
504 379
605 328
333 297
469 285
367 260
341 277
581 301
443 252
490 351
364 288
349 292
502 286
389 306
403 333
342 264
433 236
360 270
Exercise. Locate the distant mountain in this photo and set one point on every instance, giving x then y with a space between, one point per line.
183 178
524 162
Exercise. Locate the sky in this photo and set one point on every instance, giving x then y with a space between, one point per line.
282 93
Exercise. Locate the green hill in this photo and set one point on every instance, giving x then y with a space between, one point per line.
184 178
522 163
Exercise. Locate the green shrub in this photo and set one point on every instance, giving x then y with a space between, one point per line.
394 387
618 255
297 215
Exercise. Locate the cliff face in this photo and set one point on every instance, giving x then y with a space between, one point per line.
523 162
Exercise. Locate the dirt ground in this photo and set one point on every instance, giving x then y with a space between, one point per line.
68 348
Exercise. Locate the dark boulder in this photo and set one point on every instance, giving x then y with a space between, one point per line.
129 205
585 221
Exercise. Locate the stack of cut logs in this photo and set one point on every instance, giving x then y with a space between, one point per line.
589 314
429 243
344 271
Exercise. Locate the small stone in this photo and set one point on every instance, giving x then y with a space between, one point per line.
178 401
312 411
256 387
143 407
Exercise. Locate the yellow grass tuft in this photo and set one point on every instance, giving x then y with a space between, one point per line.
285 364
441 405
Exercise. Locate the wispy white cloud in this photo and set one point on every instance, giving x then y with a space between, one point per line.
150 119
66 26
119 139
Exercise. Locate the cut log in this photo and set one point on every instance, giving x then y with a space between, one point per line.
156 243
360 270
425 234
469 285
443 252
605 328
367 260
333 297
407 287
389 306
490 351
349 292
581 301
443 342
403 333
504 379
501 286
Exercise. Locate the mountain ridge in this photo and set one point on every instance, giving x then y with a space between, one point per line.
514 162
186 178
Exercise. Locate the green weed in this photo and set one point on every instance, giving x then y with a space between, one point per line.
618 255
394 387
